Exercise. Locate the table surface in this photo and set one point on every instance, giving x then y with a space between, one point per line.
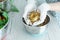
18 32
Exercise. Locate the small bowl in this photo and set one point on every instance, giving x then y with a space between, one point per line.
38 28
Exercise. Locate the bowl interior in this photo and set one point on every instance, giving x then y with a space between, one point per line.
46 21
42 24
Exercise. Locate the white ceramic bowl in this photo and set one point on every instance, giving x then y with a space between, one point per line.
36 29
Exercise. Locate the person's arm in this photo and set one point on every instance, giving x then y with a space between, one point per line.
55 6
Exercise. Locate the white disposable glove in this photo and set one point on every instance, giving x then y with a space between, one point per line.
29 7
43 8
43 11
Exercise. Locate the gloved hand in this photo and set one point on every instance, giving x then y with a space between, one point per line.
31 4
43 8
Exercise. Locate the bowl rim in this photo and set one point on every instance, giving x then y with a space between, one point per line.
37 25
